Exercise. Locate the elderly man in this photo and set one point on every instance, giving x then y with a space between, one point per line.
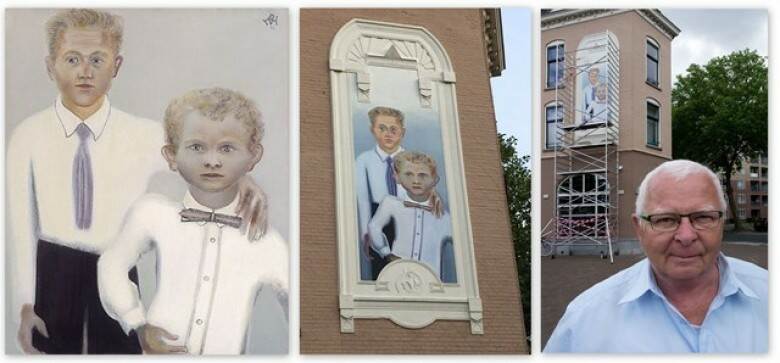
686 296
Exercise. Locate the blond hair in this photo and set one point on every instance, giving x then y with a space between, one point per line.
385 111
110 24
414 157
216 104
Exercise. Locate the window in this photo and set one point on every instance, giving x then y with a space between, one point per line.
741 199
555 64
653 133
740 185
741 213
553 114
652 62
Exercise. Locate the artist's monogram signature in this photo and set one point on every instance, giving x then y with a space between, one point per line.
271 21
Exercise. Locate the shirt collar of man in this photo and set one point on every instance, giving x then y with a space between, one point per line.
96 123
190 202
383 155
644 281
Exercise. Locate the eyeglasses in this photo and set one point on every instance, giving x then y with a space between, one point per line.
667 222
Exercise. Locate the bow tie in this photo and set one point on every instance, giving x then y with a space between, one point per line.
417 205
197 215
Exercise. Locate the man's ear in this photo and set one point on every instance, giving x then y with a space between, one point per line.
258 154
403 132
169 153
636 223
49 66
117 63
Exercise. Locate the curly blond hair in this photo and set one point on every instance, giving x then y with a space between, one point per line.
215 104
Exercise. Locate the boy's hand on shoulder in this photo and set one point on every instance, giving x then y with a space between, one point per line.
151 339
253 208
30 321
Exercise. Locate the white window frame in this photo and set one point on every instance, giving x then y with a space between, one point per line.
647 117
358 45
554 43
651 41
546 121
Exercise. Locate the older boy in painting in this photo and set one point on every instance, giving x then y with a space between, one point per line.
375 179
422 226
208 273
73 170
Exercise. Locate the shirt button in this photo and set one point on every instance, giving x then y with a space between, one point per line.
206 278
212 239
199 321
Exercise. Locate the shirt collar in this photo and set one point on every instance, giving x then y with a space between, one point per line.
96 123
230 209
729 282
644 281
383 155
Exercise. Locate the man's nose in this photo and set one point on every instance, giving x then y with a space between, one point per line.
85 71
685 232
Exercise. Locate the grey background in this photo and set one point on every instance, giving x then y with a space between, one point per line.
167 52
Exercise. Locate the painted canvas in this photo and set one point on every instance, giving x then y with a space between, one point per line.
143 148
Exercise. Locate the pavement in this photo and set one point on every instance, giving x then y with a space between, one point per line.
565 277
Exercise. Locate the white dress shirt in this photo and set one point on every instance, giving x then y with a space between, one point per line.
208 275
371 187
125 153
419 235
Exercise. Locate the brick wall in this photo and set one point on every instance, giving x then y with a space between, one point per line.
460 32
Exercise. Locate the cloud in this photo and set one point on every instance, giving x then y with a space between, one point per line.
706 34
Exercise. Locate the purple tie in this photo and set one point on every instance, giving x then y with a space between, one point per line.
82 179
390 178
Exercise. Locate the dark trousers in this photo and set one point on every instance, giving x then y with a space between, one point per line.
67 300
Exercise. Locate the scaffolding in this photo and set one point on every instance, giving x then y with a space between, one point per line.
586 161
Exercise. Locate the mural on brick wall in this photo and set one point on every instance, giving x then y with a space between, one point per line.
399 177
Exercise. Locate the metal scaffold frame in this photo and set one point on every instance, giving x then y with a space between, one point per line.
586 161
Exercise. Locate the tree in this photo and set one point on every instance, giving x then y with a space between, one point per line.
719 114
517 180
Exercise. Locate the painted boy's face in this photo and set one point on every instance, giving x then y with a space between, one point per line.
212 155
83 67
593 76
388 133
417 179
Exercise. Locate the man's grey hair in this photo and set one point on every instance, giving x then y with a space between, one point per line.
678 170
110 24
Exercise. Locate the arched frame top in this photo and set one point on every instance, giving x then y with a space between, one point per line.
359 50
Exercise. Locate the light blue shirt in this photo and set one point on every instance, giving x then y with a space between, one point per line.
628 313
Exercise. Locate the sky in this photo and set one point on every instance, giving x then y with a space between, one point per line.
710 33
512 90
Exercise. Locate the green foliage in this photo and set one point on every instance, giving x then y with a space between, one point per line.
719 113
517 179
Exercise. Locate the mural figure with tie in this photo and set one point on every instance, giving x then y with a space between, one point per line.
401 196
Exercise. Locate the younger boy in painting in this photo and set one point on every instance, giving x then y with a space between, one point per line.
422 226
375 179
208 273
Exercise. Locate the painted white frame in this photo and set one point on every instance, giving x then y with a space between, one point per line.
406 292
